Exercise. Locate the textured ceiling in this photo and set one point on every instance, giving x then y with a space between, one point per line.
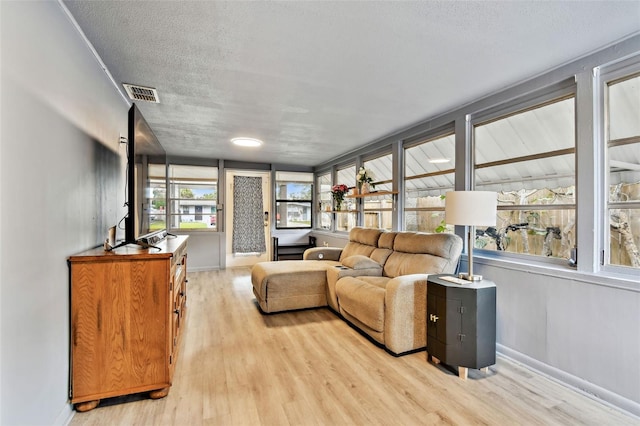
316 79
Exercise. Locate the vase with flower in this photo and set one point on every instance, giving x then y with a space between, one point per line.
337 192
364 178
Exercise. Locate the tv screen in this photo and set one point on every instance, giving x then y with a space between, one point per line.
146 180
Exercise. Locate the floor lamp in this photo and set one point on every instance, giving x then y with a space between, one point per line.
471 208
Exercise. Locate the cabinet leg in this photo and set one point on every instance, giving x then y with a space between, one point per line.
435 360
81 407
159 393
485 370
462 372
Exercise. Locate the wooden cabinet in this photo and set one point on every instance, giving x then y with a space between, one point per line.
127 311
461 323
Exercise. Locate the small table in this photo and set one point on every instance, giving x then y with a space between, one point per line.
461 323
290 251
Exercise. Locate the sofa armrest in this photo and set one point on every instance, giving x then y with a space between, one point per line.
405 324
322 253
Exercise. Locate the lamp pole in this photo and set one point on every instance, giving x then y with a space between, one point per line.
470 242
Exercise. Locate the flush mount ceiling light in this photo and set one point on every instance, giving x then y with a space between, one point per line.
439 160
250 142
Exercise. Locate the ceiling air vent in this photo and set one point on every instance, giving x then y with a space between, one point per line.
141 93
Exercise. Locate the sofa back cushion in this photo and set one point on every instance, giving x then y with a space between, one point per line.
362 241
385 247
386 239
418 253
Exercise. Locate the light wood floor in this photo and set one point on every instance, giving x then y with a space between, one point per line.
239 367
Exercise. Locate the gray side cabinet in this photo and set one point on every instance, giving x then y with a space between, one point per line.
461 323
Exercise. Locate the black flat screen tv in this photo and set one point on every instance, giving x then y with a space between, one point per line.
146 180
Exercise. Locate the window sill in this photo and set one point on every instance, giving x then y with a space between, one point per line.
186 231
556 268
344 234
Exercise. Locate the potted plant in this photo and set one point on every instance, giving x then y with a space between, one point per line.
337 192
365 180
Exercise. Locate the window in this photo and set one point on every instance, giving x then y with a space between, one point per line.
429 170
347 217
193 197
157 197
528 158
378 209
325 204
293 200
623 156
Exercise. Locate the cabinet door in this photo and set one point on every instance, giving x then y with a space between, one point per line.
444 321
452 326
432 312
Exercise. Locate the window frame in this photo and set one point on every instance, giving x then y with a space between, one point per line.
308 202
426 138
322 208
350 215
386 195
606 76
155 182
566 89
171 214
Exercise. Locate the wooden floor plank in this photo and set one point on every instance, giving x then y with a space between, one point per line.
237 366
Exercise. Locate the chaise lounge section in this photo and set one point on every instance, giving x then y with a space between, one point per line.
377 282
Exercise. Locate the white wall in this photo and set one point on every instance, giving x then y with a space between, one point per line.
205 250
61 187
330 239
577 328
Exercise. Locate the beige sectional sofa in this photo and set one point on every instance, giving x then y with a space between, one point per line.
377 282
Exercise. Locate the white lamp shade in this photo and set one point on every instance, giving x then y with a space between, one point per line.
473 208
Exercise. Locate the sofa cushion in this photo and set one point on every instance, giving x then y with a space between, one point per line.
362 299
386 240
412 263
368 236
434 244
272 280
380 255
336 273
358 261
416 253
361 241
376 281
385 247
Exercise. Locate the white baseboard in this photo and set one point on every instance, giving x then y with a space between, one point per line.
203 269
576 383
65 416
